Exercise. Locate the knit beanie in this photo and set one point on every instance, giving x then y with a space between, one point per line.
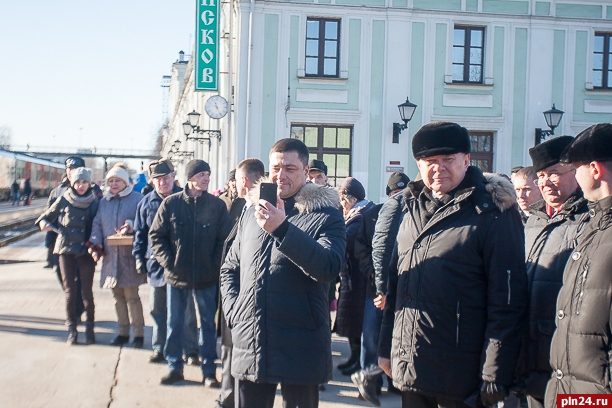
119 171
397 180
196 166
353 187
80 173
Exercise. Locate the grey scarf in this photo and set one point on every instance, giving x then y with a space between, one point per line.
78 201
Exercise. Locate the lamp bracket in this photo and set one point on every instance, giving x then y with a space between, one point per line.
397 129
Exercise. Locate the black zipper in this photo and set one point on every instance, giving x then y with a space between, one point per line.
509 286
458 318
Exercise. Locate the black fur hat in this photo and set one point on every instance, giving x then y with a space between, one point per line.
592 144
440 138
549 153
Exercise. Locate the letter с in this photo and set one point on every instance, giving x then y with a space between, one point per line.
207 17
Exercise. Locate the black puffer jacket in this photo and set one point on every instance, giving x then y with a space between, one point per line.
385 235
274 291
74 221
581 350
462 288
549 243
349 318
187 238
363 248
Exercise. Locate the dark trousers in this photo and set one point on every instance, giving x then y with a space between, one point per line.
252 395
226 394
72 266
415 400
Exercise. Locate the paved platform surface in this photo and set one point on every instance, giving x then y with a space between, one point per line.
38 369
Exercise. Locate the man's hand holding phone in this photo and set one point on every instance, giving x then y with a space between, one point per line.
269 217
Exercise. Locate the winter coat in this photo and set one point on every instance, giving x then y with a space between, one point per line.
187 238
349 318
234 205
385 235
549 243
145 213
462 288
27 188
222 330
581 349
119 265
274 291
74 220
363 248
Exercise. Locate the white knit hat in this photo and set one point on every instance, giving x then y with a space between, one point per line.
119 172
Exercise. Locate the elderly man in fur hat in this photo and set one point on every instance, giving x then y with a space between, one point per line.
461 291
551 232
274 286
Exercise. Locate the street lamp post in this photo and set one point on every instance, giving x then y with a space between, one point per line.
406 110
191 127
553 118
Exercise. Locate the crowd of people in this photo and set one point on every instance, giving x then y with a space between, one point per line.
463 289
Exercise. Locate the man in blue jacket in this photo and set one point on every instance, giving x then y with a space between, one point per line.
162 176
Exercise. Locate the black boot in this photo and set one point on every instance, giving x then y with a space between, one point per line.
90 337
72 335
355 346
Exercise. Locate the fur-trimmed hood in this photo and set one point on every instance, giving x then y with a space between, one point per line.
476 183
501 191
310 198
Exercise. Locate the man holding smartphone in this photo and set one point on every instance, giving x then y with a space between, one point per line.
274 286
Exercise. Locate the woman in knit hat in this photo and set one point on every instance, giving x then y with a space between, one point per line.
75 210
116 218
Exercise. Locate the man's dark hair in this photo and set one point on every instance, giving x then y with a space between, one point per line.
292 145
253 168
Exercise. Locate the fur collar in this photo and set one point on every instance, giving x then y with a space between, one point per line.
481 186
310 198
501 191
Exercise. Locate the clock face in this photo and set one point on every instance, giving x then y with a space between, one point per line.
216 107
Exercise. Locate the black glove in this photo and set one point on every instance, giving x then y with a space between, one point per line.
141 266
491 393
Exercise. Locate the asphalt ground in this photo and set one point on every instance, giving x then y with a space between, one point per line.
38 369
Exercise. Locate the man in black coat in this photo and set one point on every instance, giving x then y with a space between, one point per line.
368 380
580 350
551 233
274 286
187 238
162 178
461 294
247 173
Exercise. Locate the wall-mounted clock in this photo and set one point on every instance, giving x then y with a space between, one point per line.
216 107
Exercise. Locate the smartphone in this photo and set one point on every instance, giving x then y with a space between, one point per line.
267 191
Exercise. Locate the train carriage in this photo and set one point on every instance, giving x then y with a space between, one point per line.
44 175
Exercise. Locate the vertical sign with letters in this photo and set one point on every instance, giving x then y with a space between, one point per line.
207 45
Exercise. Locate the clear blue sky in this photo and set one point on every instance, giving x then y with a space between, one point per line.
71 64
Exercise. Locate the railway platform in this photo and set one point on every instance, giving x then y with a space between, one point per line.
40 370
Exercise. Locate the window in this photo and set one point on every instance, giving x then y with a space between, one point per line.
602 63
332 144
468 50
322 47
482 150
